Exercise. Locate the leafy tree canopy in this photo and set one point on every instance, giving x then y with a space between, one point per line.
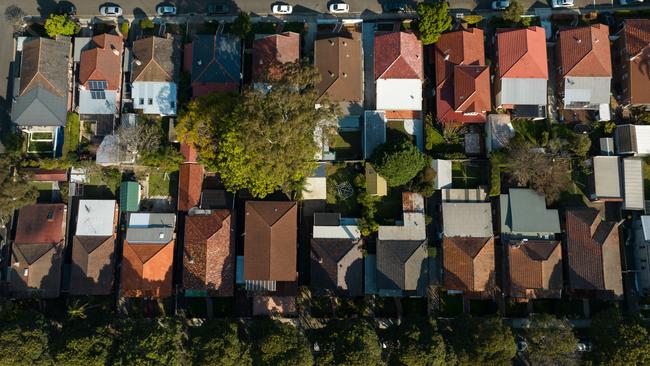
60 25
513 12
420 345
398 161
223 350
551 341
24 340
242 25
350 342
433 19
618 340
15 191
479 341
150 342
279 344
79 344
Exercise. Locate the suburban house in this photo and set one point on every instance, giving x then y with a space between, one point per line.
534 269
208 254
93 248
155 66
593 256
271 50
190 181
523 215
633 52
399 74
401 264
584 67
214 63
520 83
468 249
336 256
100 82
41 95
147 255
632 139
462 78
37 252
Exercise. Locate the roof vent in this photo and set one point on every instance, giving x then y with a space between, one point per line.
161 235
345 43
446 57
345 74
331 73
137 62
596 40
116 52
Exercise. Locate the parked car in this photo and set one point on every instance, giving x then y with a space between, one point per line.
110 11
631 2
67 8
337 8
500 4
561 3
216 9
165 10
394 7
282 9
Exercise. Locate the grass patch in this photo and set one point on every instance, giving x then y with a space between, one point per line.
468 174
347 145
40 147
71 135
336 174
102 183
45 192
42 136
389 209
533 131
395 130
161 184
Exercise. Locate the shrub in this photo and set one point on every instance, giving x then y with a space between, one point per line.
60 25
433 19
146 23
472 19
125 29
398 162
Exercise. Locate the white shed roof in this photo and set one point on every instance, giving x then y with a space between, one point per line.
645 222
633 181
523 91
642 133
96 217
606 177
399 94
443 173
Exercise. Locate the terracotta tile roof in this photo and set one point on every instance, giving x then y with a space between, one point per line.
190 180
271 49
584 51
91 271
46 175
637 49
154 59
534 268
189 152
270 243
593 253
398 55
338 59
41 224
101 62
522 53
460 64
637 32
147 270
469 263
208 254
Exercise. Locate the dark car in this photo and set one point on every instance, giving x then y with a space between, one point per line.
67 8
216 9
394 7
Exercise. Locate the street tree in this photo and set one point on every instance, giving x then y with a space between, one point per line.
242 25
279 344
24 340
478 341
146 23
513 12
433 20
15 190
150 342
63 25
618 340
223 350
421 345
398 161
350 342
551 341
80 344
15 16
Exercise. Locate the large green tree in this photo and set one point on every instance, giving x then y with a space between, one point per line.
513 12
60 25
551 341
618 340
24 340
279 344
421 345
216 343
15 191
398 161
150 342
479 341
433 19
350 342
263 141
80 344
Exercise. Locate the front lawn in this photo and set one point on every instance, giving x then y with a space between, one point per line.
340 178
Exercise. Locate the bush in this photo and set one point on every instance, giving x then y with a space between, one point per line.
146 23
514 12
472 19
431 135
125 29
398 162
425 182
242 25
433 19
60 25
71 135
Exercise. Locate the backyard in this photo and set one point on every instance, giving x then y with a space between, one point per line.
346 145
163 184
102 182
469 174
341 194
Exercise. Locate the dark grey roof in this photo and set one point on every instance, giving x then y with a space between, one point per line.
332 268
402 265
150 228
39 107
327 219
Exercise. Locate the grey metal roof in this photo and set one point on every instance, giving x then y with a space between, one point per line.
607 182
467 219
402 265
595 90
523 211
633 181
374 131
39 107
525 91
151 228
88 105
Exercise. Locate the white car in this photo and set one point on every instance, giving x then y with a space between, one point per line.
337 8
163 10
500 5
561 3
631 2
110 11
282 9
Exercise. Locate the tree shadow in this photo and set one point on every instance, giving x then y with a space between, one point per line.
46 7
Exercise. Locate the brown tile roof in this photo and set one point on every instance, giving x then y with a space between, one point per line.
398 55
41 224
101 62
584 51
338 59
46 175
270 244
154 59
274 48
91 271
637 49
469 264
147 270
336 264
35 271
522 53
190 180
462 79
45 63
208 254
593 253
535 268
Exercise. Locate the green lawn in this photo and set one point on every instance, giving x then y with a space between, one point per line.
468 175
529 129
40 147
337 174
395 130
347 145
42 136
44 191
163 185
71 135
102 183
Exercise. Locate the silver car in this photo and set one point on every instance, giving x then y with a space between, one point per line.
561 3
500 5
282 9
110 11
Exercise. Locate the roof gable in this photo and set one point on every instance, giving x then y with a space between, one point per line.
522 53
90 243
584 51
216 59
534 265
33 252
154 59
40 224
274 48
637 36
103 62
45 64
399 264
338 59
398 55
468 263
190 181
472 89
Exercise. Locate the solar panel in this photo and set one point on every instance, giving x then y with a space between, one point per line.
98 94
97 84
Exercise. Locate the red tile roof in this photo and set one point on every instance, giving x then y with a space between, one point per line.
274 48
101 62
46 175
462 79
398 55
147 270
41 224
637 53
522 53
535 269
584 51
189 152
468 263
208 256
190 181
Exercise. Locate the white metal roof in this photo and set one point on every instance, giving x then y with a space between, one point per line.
337 232
607 177
642 139
633 181
594 90
523 91
399 94
443 173
96 217
645 222
161 94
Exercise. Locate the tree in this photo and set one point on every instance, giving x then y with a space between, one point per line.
15 16
279 344
139 138
398 161
424 182
433 19
79 344
265 141
24 340
545 171
15 190
60 25
222 350
150 342
242 25
350 342
421 345
513 12
146 23
580 145
479 341
618 340
550 341
124 29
